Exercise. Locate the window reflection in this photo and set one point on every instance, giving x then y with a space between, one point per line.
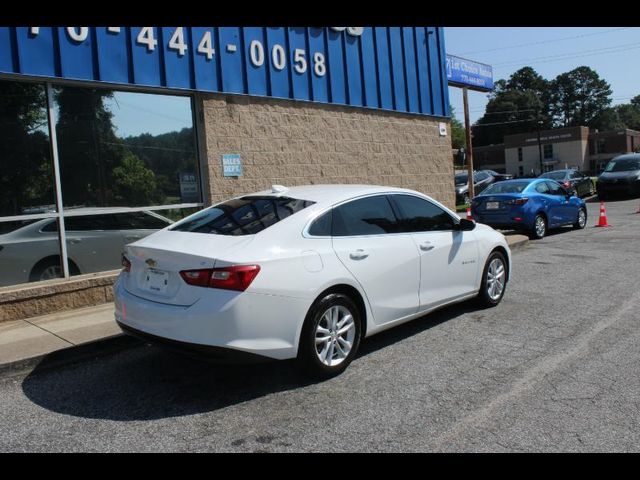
95 242
115 149
104 159
26 175
29 251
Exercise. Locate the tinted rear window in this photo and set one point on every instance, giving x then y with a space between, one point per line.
505 187
555 175
461 179
623 165
365 216
242 216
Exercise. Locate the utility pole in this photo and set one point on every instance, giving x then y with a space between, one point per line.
538 122
467 127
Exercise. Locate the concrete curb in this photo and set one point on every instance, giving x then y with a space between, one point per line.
69 355
517 241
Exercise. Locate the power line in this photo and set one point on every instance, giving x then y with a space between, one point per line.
546 41
504 111
502 123
567 56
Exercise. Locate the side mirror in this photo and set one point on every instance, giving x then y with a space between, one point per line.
465 225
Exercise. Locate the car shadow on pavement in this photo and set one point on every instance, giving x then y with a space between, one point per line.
148 382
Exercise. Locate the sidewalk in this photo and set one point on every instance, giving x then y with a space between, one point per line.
77 333
23 343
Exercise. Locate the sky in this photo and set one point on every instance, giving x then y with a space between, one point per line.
138 113
613 52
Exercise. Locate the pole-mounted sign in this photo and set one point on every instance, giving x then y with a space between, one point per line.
469 75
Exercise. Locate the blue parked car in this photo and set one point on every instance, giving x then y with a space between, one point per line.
532 204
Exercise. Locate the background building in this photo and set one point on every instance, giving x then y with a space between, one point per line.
111 132
561 148
573 147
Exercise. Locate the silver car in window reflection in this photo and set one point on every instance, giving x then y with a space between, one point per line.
31 252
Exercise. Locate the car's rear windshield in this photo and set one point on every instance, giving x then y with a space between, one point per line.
242 216
554 175
505 187
461 179
623 165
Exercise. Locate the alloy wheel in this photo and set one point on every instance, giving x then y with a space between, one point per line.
540 226
495 279
51 272
582 218
335 335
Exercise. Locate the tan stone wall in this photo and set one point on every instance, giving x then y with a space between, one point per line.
41 298
297 143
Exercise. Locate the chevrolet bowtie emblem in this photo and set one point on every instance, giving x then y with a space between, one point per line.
151 262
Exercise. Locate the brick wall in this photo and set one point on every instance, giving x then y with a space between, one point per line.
297 143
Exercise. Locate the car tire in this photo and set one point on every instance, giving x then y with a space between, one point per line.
49 268
539 227
581 221
494 280
323 359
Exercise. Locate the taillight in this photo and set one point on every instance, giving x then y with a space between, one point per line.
518 201
235 277
126 264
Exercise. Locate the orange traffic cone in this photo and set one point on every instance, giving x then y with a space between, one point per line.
469 216
603 217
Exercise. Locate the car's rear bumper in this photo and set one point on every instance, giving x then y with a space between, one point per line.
503 221
618 188
258 324
206 352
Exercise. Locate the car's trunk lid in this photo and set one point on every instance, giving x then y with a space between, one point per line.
157 260
497 203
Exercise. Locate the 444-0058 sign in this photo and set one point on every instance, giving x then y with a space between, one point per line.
177 44
394 68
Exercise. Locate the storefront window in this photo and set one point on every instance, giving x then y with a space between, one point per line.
125 149
26 172
128 167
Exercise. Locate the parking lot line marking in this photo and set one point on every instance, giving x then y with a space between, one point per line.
537 373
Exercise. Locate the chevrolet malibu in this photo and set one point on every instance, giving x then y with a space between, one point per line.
305 272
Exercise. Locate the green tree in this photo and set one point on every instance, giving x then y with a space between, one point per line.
25 160
578 97
88 147
458 135
514 106
629 114
133 182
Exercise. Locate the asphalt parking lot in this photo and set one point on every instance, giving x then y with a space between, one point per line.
553 368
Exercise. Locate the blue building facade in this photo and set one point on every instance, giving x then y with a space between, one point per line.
391 68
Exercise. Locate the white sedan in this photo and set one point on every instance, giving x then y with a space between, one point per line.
305 272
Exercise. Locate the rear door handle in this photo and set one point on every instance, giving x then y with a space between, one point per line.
426 246
358 255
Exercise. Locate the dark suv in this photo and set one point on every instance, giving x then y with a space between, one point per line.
620 176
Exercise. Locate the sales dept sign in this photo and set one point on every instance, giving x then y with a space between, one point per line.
231 165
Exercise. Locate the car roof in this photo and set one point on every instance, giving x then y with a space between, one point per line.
522 180
329 193
627 156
